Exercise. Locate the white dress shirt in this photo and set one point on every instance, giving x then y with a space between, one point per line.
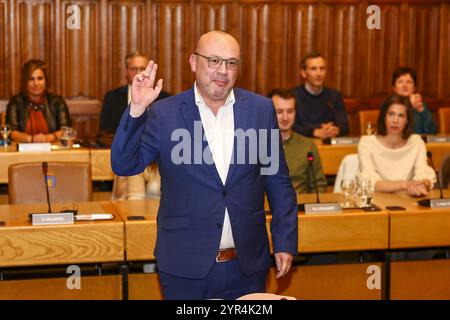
219 132
129 94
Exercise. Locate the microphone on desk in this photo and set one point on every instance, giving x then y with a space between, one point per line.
49 218
427 202
44 172
302 206
310 156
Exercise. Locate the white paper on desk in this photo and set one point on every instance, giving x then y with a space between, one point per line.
94 216
34 147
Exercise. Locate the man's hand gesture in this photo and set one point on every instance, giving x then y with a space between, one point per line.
143 92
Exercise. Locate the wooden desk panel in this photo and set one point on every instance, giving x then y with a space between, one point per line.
416 227
420 280
335 282
140 234
351 230
101 164
22 244
347 281
13 157
92 288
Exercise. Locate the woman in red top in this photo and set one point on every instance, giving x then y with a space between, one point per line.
35 115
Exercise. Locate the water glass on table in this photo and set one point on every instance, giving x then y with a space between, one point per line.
348 188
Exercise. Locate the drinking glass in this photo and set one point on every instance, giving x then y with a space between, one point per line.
67 136
364 193
6 130
370 130
348 188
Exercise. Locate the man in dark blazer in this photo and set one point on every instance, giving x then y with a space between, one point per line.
320 110
212 240
116 101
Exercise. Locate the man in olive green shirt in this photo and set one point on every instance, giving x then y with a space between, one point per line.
296 146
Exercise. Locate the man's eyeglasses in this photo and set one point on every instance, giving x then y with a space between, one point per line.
136 69
216 62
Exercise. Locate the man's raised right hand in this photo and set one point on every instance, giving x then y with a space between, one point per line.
142 91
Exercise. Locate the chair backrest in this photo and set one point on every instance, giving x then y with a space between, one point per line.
444 120
348 169
366 116
444 172
119 190
68 181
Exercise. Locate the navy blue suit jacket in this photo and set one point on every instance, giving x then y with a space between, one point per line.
193 198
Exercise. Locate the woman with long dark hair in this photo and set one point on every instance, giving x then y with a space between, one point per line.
395 159
36 115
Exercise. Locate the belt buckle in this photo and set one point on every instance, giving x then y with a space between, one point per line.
217 257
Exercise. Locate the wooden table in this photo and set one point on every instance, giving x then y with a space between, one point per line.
140 234
98 158
101 164
338 231
332 155
417 228
11 156
43 248
23 244
353 230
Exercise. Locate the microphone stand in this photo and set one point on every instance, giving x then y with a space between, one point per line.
44 171
310 160
427 202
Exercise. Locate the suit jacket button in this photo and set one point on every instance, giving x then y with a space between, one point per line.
224 193
219 226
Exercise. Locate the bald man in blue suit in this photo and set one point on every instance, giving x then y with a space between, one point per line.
212 241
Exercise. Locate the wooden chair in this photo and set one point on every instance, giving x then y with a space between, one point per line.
366 116
68 182
444 120
119 190
2 118
444 172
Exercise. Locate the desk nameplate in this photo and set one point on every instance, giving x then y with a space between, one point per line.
39 219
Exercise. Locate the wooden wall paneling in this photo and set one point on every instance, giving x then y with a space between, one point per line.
4 26
422 44
443 76
127 33
254 46
80 64
274 35
217 15
302 38
339 36
33 36
173 22
264 70
103 45
384 51
211 16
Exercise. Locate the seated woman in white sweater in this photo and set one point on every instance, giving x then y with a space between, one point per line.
395 159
